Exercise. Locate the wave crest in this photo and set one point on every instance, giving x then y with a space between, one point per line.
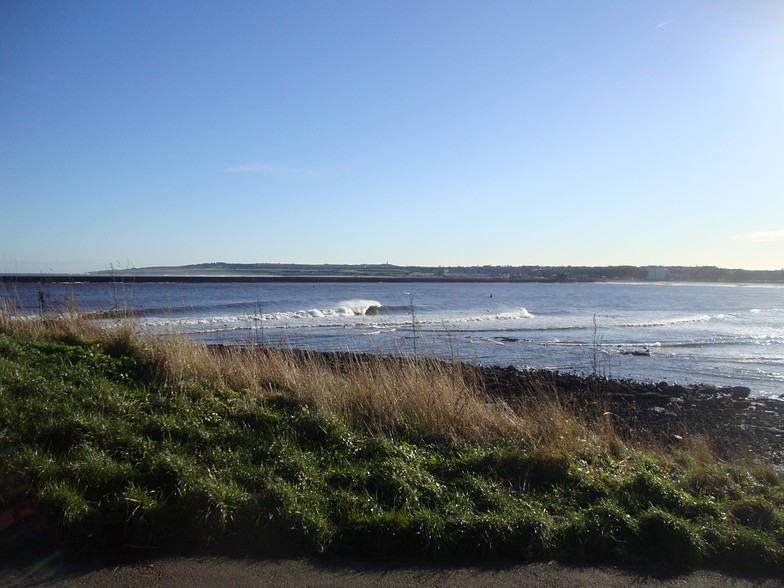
359 307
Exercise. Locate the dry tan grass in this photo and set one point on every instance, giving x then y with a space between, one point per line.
45 325
376 394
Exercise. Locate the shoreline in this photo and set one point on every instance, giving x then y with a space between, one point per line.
651 334
244 279
103 279
299 279
736 424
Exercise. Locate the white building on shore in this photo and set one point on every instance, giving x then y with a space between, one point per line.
658 273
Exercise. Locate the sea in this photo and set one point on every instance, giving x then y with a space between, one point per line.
726 335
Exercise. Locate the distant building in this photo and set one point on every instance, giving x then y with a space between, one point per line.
658 272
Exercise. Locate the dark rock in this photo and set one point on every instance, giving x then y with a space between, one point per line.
653 398
739 392
637 352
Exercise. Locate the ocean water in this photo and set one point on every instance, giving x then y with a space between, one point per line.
684 333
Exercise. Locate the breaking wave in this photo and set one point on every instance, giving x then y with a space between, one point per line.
345 308
359 307
345 313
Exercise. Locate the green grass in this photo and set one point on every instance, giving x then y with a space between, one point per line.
106 444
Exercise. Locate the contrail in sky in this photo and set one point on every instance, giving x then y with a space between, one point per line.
660 25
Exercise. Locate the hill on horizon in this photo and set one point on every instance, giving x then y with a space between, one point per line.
484 272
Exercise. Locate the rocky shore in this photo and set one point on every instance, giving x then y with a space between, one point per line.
736 424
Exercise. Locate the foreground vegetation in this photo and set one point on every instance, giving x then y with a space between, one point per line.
113 441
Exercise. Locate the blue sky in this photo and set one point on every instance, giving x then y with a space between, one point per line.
414 132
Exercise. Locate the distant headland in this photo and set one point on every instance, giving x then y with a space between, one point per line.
385 272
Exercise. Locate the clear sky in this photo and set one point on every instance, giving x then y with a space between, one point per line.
425 132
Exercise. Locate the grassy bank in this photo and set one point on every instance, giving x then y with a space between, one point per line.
110 441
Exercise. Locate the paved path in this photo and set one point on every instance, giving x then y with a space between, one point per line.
215 571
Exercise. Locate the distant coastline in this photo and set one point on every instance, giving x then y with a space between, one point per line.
145 278
277 272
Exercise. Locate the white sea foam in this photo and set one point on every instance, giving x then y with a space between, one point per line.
360 310
358 306
668 322
514 315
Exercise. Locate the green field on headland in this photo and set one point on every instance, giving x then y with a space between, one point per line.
112 442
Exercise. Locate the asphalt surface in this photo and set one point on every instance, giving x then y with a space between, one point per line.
219 571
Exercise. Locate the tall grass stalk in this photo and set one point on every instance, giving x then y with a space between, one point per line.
413 321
